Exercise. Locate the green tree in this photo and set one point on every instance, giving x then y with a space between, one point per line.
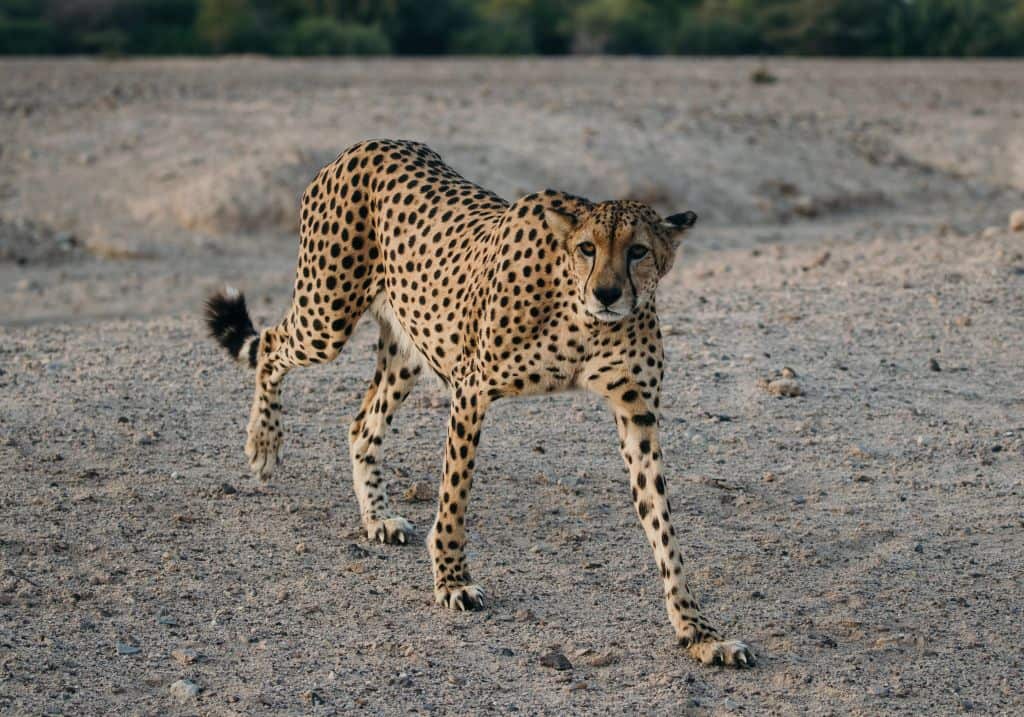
233 26
619 27
327 36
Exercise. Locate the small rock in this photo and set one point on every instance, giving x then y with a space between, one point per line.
357 552
185 690
419 492
787 372
603 659
524 615
821 259
300 548
227 489
991 232
934 365
65 241
185 656
310 697
1017 221
126 649
786 387
556 661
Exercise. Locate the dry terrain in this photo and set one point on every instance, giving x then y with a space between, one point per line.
866 537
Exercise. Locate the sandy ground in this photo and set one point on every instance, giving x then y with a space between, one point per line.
866 537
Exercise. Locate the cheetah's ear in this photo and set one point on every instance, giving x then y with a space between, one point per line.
676 225
561 222
680 222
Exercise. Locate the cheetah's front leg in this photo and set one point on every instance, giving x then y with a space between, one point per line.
638 432
453 585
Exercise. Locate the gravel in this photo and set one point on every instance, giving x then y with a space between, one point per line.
120 423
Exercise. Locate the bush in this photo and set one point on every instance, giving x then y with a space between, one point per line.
698 34
27 37
495 39
324 36
619 27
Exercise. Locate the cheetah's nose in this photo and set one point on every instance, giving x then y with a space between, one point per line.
607 295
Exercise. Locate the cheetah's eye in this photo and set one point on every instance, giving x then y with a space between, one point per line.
587 248
636 252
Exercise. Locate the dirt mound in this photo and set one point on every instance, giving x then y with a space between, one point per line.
253 195
26 242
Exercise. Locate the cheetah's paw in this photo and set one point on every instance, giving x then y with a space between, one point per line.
264 453
460 597
395 530
720 652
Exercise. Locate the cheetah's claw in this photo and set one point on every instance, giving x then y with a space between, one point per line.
733 653
460 597
394 531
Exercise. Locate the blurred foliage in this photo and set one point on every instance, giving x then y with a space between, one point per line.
327 36
892 28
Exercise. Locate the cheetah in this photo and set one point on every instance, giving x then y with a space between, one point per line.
549 293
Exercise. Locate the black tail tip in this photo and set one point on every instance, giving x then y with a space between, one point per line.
228 320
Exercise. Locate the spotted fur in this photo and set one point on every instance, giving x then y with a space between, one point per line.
551 292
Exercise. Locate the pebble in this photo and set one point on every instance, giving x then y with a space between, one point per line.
126 649
556 661
357 552
934 365
603 659
786 387
185 690
185 656
310 697
1017 221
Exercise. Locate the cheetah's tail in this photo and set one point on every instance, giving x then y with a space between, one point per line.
228 320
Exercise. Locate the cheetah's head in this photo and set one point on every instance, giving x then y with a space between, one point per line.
618 251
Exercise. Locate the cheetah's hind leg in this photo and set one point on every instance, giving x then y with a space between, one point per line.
398 369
